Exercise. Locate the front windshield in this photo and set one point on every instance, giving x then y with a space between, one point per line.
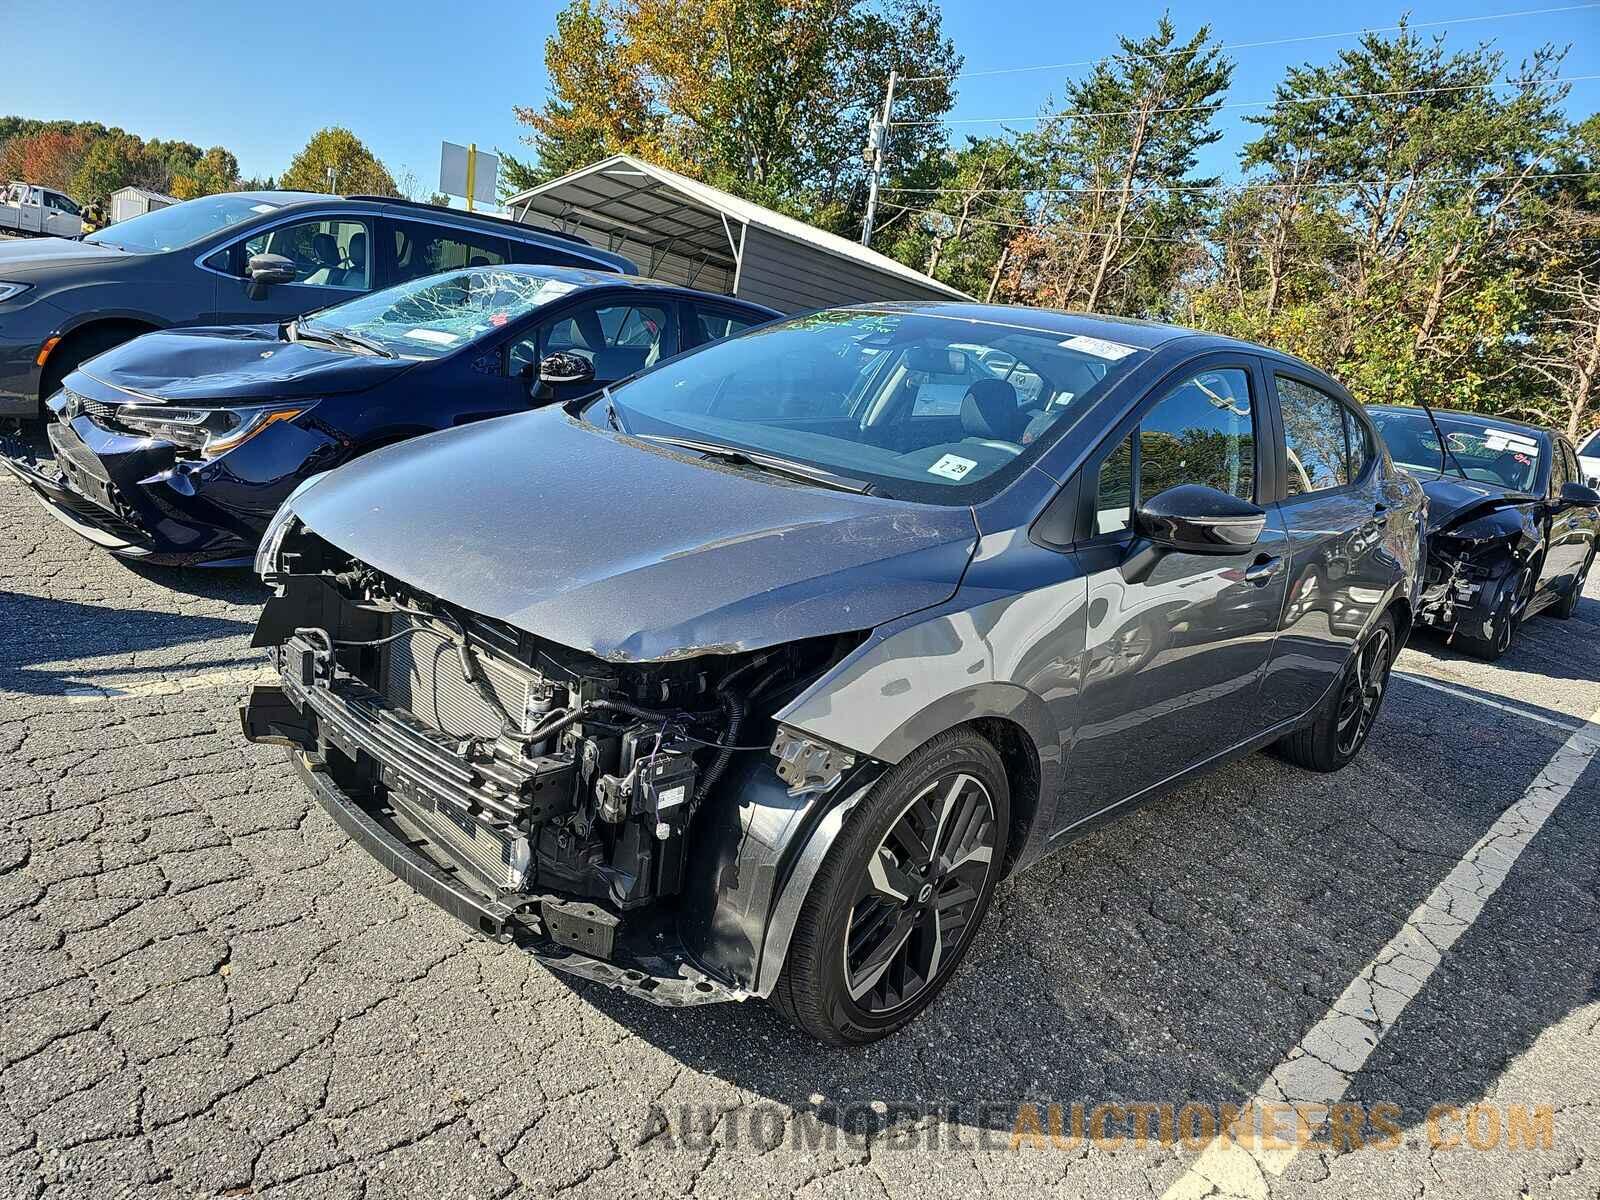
1482 450
437 314
180 225
920 407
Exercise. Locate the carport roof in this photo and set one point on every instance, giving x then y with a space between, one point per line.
685 225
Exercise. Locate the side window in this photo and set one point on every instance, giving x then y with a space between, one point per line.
326 253
1113 498
712 325
1203 431
428 249
1560 475
1574 469
1313 427
1359 441
539 255
618 339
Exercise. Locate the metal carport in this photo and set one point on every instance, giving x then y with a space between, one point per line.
683 231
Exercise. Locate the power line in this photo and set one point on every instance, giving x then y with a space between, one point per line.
1191 240
1228 187
1067 115
1283 41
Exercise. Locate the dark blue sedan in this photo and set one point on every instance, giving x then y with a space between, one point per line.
177 447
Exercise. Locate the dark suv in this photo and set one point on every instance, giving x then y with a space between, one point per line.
237 258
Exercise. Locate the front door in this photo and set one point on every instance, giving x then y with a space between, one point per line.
1176 643
617 336
332 257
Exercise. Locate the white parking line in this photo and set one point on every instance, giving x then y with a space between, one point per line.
232 677
1569 726
1317 1072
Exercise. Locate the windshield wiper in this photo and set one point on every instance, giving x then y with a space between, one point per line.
1445 453
341 338
803 472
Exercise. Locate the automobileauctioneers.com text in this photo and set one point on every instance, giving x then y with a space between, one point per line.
1045 1126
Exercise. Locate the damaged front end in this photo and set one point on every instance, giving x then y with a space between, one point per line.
1476 560
631 823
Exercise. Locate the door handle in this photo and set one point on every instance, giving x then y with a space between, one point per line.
1380 515
1263 569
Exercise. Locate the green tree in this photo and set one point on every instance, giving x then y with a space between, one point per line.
767 99
354 168
1120 209
955 218
1383 232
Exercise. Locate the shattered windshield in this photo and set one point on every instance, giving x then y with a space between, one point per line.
437 314
913 406
1502 455
180 224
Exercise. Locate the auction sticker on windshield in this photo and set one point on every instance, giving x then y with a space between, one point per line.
1098 347
437 336
952 466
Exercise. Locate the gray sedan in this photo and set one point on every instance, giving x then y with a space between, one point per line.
754 675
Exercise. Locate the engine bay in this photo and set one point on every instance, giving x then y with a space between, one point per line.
534 769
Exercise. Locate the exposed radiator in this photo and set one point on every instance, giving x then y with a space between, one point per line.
422 674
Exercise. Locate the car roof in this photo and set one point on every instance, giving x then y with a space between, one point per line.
1130 331
1459 413
588 280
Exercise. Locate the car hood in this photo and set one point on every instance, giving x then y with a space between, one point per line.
237 365
33 254
600 544
1451 498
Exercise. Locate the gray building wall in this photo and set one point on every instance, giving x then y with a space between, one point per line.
793 277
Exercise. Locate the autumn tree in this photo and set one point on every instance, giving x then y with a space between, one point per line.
49 158
1120 203
767 99
353 168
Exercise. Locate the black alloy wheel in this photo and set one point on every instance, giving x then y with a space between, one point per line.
1362 693
1334 732
916 899
900 896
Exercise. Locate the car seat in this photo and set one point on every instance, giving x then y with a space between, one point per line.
990 416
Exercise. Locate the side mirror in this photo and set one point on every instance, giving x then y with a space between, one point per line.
1200 520
565 367
264 270
1575 495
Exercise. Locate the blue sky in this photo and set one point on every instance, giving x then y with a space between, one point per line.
405 74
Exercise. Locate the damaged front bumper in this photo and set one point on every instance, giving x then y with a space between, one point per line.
552 928
130 496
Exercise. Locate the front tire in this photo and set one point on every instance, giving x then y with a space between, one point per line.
1506 620
900 895
1339 727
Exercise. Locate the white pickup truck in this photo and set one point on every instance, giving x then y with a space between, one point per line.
31 210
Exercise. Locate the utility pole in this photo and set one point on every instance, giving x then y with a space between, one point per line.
877 147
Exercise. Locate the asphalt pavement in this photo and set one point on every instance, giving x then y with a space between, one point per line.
205 990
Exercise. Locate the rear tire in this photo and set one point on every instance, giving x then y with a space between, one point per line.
886 922
1340 725
1569 602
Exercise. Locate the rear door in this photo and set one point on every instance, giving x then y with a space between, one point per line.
1334 503
1176 643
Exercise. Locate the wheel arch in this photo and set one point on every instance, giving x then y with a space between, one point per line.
60 362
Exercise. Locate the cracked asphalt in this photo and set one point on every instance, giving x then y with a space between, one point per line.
205 990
